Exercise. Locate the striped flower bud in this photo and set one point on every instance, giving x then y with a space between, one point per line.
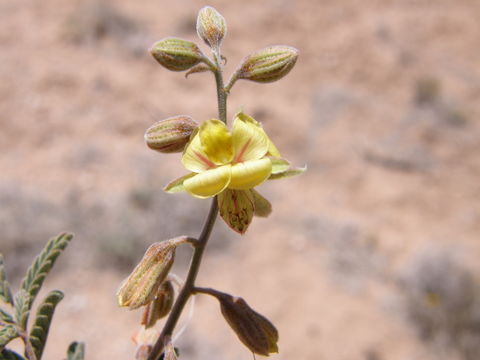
211 27
254 330
170 135
160 306
176 54
269 64
142 285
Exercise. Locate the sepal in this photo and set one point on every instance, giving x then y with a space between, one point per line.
262 206
288 173
176 185
236 208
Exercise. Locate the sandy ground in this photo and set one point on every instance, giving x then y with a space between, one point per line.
382 106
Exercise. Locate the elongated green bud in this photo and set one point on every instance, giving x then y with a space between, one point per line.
170 135
269 64
142 285
160 306
176 54
254 330
211 27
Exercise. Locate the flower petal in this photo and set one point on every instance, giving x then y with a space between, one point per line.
216 141
209 182
263 208
194 158
236 208
176 185
249 140
288 173
279 165
272 149
249 174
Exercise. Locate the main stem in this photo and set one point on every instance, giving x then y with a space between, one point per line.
189 287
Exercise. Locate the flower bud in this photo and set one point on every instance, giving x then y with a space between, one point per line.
269 64
211 27
176 54
170 135
254 330
142 285
169 352
145 339
160 306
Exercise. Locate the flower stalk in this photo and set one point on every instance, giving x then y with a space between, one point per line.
200 244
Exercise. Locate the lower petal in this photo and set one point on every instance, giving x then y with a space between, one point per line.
209 183
249 174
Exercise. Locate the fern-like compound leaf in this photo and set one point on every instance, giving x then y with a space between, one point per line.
7 334
22 308
7 354
43 264
3 276
39 331
5 292
76 351
6 317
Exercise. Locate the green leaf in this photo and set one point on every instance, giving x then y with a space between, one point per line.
288 173
76 351
39 332
22 308
7 334
7 354
5 292
6 317
43 264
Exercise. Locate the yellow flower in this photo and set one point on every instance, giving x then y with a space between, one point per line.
230 164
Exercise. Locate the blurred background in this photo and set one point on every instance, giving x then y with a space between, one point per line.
372 254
